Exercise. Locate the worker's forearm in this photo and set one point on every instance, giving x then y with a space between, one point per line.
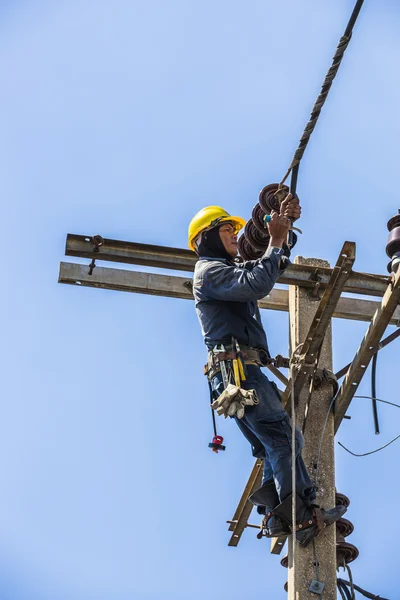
232 283
276 242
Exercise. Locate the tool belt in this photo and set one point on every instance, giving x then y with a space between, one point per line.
251 356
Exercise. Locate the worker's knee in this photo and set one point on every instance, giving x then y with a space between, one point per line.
277 435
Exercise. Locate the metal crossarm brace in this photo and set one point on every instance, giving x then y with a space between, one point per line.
242 513
184 260
326 307
131 252
367 349
172 286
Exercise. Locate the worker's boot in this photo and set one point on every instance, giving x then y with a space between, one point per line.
310 520
266 498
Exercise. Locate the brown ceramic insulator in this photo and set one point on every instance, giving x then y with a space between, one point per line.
344 528
285 561
394 222
342 500
246 251
258 215
393 244
270 198
286 586
259 241
345 553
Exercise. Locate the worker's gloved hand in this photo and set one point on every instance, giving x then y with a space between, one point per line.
233 401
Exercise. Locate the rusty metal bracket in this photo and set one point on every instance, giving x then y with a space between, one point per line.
92 266
367 349
189 285
97 241
315 291
305 361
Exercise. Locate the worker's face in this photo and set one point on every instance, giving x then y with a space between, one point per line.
229 239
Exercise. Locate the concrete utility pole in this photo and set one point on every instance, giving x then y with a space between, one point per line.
302 308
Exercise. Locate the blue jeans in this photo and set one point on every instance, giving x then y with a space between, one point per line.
268 429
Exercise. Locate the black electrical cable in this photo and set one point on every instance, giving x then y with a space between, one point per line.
373 392
363 592
357 455
379 400
372 451
339 587
322 437
382 447
344 592
390 338
351 584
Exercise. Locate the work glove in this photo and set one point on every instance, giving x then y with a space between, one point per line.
233 401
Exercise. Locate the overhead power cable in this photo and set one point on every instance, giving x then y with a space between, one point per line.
359 589
316 111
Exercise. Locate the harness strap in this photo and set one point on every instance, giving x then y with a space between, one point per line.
316 519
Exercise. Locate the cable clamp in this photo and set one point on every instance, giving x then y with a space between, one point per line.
322 376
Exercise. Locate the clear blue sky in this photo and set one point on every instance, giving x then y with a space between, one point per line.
125 119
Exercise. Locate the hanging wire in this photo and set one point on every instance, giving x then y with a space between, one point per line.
372 451
311 389
322 437
294 507
379 400
390 338
382 447
344 592
373 392
359 589
353 593
316 561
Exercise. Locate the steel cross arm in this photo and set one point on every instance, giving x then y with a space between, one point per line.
368 347
323 315
132 253
172 286
185 260
242 513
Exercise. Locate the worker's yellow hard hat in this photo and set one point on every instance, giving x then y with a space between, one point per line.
210 217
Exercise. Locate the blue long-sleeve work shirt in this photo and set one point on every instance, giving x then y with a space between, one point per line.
226 297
